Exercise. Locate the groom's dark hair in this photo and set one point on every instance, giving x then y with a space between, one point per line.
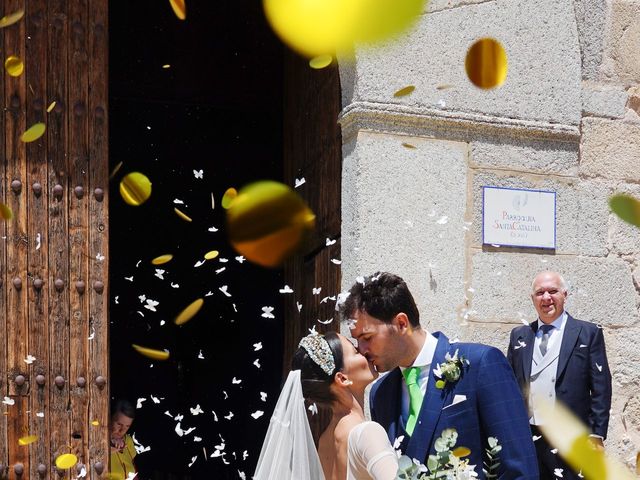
315 381
382 295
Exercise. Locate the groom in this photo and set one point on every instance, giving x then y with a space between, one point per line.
480 398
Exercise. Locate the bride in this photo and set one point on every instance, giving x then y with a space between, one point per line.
327 370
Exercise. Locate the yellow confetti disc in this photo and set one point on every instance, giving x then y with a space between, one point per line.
268 221
189 312
51 106
29 439
11 18
408 145
33 133
66 461
14 66
179 8
403 92
627 208
321 61
461 452
135 188
5 212
324 27
95 423
151 353
486 63
182 215
162 259
166 65
211 255
115 170
228 197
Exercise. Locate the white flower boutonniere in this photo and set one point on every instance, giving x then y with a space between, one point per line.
450 370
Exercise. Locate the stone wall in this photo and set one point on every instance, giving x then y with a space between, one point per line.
565 120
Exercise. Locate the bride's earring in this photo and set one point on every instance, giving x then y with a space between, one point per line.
348 382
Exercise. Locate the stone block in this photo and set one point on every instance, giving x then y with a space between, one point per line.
609 102
539 37
536 156
610 149
623 55
591 17
403 210
581 209
601 290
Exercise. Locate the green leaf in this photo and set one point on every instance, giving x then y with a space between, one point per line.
627 208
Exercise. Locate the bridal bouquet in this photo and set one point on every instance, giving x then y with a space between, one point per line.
448 462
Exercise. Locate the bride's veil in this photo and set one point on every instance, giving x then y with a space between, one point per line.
288 451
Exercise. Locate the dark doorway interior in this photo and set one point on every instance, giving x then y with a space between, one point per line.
217 108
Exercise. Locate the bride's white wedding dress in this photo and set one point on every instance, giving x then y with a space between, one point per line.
369 454
289 453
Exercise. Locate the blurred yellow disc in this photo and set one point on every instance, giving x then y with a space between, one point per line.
182 215
486 63
321 61
228 197
267 222
115 170
189 312
5 212
461 452
151 353
162 259
403 92
51 106
135 188
626 207
33 133
66 461
29 439
179 8
11 18
211 255
387 18
14 66
95 423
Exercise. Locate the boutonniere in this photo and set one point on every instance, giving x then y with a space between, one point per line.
450 370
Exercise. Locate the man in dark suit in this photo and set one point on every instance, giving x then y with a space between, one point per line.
480 398
559 358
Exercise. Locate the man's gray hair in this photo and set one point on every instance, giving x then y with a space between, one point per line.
563 283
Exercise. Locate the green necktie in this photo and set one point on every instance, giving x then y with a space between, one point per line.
415 396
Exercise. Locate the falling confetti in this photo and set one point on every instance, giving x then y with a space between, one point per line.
135 188
267 222
51 106
66 461
179 8
403 92
5 212
12 18
486 63
211 255
14 66
625 207
152 353
320 62
162 259
189 312
33 133
29 439
182 215
228 197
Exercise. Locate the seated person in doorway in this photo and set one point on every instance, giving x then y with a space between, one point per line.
123 452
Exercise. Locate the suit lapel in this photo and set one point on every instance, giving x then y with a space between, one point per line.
389 404
569 339
527 353
420 441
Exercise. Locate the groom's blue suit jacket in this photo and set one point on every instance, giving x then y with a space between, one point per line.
493 408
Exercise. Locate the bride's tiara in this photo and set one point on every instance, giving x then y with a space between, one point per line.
319 351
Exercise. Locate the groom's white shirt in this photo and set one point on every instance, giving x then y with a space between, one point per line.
423 360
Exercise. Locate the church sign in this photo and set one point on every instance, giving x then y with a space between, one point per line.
514 217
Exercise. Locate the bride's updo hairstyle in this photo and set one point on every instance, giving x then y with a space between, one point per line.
315 360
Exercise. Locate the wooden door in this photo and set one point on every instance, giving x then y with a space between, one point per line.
313 151
53 262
